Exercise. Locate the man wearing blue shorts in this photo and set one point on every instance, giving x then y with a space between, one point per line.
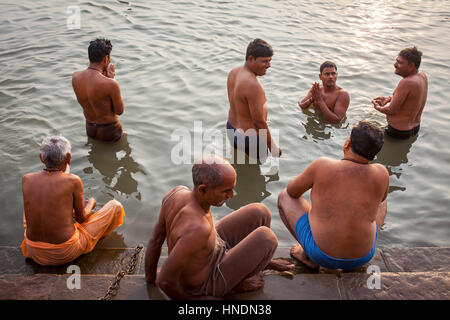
340 227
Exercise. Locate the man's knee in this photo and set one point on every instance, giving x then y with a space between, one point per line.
262 211
267 238
115 206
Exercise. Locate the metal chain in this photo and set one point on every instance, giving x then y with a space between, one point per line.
129 269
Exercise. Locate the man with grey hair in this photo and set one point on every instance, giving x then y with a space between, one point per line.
207 261
52 199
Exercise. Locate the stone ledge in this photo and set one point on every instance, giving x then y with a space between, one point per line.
99 261
417 259
396 286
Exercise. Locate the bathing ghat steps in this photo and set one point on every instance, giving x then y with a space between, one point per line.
421 273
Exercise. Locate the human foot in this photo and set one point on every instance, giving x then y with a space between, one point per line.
297 252
280 265
249 284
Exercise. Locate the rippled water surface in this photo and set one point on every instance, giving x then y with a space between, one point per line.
172 60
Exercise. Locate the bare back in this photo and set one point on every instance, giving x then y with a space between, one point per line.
240 85
183 216
49 205
409 99
99 96
345 199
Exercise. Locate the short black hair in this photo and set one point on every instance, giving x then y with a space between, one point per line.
366 139
258 48
327 64
412 55
98 49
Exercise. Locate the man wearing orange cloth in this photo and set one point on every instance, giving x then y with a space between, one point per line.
52 199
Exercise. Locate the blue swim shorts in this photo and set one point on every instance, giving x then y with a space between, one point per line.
304 235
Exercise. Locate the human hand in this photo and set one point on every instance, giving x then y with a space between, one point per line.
90 204
110 71
275 151
317 93
381 101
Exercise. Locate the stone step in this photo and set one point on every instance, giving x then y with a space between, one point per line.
111 260
349 286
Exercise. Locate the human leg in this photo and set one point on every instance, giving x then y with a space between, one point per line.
251 255
103 222
240 223
381 215
291 209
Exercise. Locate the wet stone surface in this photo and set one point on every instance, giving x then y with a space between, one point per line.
19 287
396 286
417 259
420 274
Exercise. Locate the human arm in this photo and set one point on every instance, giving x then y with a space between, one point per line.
340 107
305 180
82 209
395 102
170 278
306 101
116 98
256 99
153 251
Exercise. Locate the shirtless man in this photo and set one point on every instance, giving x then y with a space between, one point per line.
408 100
339 229
247 117
99 93
52 199
329 99
207 261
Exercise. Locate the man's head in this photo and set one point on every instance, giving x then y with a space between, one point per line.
366 139
99 51
408 61
55 152
214 178
258 56
328 74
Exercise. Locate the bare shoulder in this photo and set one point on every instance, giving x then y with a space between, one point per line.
343 93
380 169
323 161
27 177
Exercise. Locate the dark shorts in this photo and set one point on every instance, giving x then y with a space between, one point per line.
401 134
109 132
306 239
253 146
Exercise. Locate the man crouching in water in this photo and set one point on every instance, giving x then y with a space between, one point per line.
207 261
339 229
99 93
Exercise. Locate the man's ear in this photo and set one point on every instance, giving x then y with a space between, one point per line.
347 144
69 158
203 188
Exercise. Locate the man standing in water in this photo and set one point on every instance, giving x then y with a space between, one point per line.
99 93
408 100
52 198
208 259
247 116
339 229
329 99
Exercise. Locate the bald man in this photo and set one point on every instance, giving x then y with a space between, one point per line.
207 261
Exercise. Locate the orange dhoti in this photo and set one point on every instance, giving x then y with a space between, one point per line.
101 223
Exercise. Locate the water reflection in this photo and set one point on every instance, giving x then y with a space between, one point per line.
393 155
250 185
318 128
115 163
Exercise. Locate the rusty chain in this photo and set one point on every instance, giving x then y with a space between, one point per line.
129 269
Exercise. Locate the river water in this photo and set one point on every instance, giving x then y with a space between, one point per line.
172 59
